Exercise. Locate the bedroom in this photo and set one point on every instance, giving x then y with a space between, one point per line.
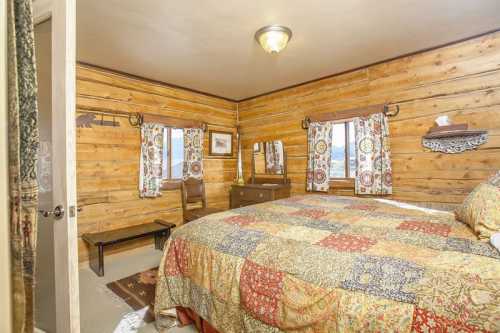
413 118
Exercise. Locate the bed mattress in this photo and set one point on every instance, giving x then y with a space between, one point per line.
321 263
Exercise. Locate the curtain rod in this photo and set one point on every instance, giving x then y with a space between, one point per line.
350 113
136 119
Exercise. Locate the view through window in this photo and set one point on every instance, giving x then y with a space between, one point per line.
343 163
173 153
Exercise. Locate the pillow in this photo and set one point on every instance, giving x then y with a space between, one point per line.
481 210
495 240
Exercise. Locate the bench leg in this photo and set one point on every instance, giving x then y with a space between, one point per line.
96 259
160 239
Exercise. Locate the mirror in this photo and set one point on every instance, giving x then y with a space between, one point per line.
269 158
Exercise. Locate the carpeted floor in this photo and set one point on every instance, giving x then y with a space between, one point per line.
101 310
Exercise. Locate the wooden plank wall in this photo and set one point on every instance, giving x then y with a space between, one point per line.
461 81
108 157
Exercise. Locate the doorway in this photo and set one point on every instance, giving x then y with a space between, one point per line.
56 307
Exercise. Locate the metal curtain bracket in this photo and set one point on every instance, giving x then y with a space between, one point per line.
135 119
391 114
306 122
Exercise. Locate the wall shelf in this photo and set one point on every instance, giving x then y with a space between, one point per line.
454 133
453 139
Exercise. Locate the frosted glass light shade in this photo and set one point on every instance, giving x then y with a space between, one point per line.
274 38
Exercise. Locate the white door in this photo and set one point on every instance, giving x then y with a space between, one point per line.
57 219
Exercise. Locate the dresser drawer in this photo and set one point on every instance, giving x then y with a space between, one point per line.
241 196
253 194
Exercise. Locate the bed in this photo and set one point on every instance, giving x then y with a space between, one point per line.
321 263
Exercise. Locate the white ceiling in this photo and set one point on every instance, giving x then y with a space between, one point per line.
208 45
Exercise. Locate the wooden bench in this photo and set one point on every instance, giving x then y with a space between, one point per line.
97 241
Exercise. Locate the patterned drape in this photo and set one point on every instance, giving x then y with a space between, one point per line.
374 173
193 153
151 160
319 141
274 157
23 150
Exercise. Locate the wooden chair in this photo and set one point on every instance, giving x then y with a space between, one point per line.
193 191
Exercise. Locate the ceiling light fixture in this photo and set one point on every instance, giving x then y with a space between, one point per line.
273 38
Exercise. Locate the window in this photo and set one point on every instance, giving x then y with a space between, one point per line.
343 163
173 153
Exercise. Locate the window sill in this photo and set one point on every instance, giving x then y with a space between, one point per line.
345 183
171 184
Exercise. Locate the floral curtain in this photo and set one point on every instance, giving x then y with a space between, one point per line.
193 153
151 160
319 141
274 157
374 173
23 150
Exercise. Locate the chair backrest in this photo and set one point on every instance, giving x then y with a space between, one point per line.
193 191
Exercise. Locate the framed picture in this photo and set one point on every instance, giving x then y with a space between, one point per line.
221 143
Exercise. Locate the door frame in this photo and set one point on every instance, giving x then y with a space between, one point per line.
5 264
63 16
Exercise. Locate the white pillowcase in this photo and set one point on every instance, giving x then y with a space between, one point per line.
495 240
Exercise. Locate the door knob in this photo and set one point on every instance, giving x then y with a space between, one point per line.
58 212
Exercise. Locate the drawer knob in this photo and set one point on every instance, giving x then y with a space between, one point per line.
261 195
241 193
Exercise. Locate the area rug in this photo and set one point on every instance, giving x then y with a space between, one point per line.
138 291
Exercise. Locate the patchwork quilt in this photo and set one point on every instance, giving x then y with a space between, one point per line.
320 263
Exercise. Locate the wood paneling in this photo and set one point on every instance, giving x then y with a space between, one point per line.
460 80
108 157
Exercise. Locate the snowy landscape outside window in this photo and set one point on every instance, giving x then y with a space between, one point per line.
343 154
173 153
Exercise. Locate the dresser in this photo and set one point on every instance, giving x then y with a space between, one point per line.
251 194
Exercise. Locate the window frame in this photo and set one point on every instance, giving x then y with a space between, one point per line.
346 180
168 142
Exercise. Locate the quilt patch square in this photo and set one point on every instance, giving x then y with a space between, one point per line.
458 244
365 207
305 304
484 249
241 220
178 258
268 228
369 313
303 234
466 297
430 228
419 255
200 233
426 321
324 225
469 246
346 217
347 243
279 254
302 204
240 242
334 268
261 289
312 213
388 277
